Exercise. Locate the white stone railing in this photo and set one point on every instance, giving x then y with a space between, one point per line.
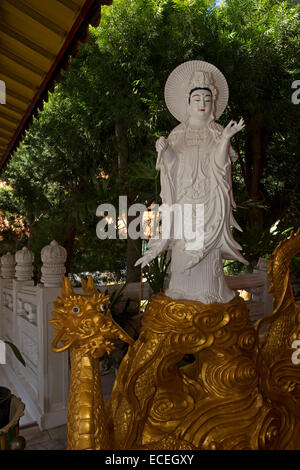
25 311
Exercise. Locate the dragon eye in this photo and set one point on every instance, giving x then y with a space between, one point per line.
76 310
103 308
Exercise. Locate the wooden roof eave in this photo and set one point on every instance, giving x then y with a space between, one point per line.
17 114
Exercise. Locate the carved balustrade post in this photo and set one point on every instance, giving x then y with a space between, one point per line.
24 267
8 266
53 270
266 297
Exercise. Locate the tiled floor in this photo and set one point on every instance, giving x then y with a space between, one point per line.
53 439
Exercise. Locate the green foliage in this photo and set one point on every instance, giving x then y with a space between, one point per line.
234 268
126 319
156 272
115 298
95 139
16 352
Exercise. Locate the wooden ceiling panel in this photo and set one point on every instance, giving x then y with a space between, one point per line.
36 40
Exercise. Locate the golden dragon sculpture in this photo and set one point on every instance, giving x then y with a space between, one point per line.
84 325
279 377
237 394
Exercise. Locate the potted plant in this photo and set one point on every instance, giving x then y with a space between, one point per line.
11 410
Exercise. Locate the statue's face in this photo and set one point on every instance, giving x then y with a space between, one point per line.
200 106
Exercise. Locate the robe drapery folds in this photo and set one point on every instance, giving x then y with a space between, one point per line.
194 174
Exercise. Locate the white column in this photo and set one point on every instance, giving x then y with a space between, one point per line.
266 297
53 371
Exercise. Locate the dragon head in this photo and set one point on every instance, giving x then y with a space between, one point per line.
84 321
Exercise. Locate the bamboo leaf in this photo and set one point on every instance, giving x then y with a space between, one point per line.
16 352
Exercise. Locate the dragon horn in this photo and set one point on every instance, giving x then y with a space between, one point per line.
67 290
88 286
90 283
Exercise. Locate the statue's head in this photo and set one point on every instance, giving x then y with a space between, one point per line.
197 89
200 104
201 97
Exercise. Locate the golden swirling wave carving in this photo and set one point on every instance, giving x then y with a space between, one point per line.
223 375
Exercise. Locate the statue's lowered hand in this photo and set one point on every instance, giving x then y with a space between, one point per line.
233 128
161 144
144 260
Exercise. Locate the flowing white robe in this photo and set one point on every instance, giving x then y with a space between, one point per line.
194 176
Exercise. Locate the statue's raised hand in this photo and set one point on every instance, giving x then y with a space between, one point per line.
233 128
161 144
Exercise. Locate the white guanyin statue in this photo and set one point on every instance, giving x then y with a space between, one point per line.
195 167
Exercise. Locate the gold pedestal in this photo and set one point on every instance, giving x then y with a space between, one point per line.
214 403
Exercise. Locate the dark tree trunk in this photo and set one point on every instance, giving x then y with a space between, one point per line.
120 131
69 239
133 253
134 247
256 145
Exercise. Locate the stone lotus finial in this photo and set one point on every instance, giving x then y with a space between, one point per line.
24 269
53 270
24 256
8 266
